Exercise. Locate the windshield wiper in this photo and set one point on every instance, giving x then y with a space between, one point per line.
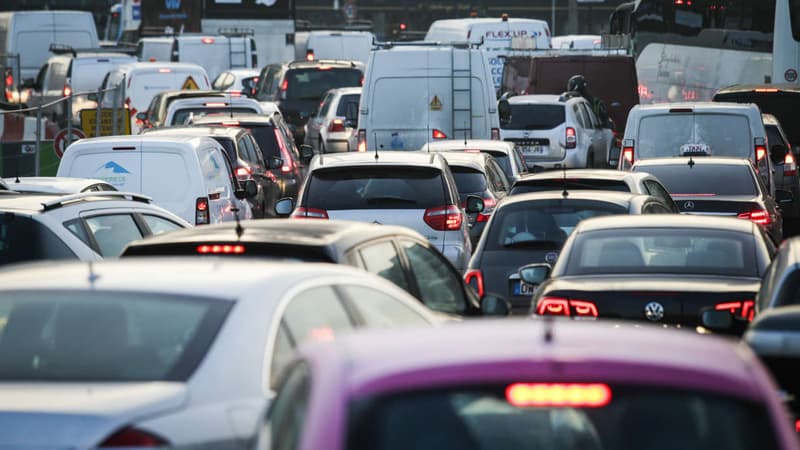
390 199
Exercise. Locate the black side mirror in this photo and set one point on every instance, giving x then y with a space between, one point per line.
306 153
495 305
783 196
284 207
249 188
535 273
273 162
778 153
474 204
504 111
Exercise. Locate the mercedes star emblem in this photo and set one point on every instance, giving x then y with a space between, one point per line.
688 205
654 311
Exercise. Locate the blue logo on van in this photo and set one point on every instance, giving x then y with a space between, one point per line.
115 168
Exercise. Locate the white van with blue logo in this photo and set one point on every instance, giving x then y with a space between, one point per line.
188 176
496 37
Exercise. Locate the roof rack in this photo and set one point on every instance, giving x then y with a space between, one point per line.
389 44
63 49
324 61
63 201
355 25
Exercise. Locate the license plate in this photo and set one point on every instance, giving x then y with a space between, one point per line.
695 149
521 288
535 150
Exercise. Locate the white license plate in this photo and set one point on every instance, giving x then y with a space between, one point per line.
695 149
522 288
535 150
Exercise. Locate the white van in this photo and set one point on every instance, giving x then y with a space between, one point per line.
496 37
143 80
29 34
341 45
188 176
216 53
414 94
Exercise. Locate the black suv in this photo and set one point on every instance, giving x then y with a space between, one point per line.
297 87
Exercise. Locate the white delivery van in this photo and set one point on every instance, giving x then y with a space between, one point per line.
143 80
216 53
496 37
340 45
29 34
188 176
414 94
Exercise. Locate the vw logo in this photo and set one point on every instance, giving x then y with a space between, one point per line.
688 205
654 311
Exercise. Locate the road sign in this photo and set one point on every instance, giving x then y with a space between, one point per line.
89 121
61 141
190 84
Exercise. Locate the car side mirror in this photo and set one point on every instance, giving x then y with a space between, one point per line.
474 204
273 162
249 190
495 305
535 273
783 196
504 111
141 115
306 153
284 207
715 320
778 153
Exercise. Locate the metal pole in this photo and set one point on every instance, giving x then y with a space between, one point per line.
114 111
38 140
69 121
99 112
553 18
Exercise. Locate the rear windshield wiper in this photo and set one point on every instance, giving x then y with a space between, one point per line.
390 199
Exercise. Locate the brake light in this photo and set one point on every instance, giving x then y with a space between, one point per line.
303 212
765 90
761 152
202 216
133 437
310 55
362 141
758 216
67 91
744 309
438 134
583 395
207 40
495 134
554 306
797 426
336 126
285 85
626 157
570 138
444 218
230 123
474 278
789 165
243 173
361 81
488 208
220 249
164 70
215 104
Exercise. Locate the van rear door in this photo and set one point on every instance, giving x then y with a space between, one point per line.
167 178
119 165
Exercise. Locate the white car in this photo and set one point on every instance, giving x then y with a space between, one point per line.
180 111
505 153
134 353
556 131
330 130
57 185
241 81
87 226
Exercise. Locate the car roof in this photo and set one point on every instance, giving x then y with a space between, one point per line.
246 119
781 87
189 131
306 233
619 198
346 90
336 63
697 160
696 106
469 144
388 361
403 158
153 138
571 174
536 99
665 221
155 65
38 202
54 185
463 159
190 93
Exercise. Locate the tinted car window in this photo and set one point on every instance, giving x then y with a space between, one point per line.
288 412
267 142
381 310
113 232
160 225
774 138
104 336
181 115
344 101
570 184
705 179
722 134
535 117
310 84
469 180
383 260
24 239
375 188
439 287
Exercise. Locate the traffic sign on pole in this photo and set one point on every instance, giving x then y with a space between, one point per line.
60 141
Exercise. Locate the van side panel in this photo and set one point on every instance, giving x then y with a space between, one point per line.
167 179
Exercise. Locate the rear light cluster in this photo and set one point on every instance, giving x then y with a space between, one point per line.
243 173
67 91
202 215
760 148
474 278
133 437
310 55
362 141
789 164
570 138
758 216
438 134
444 218
336 126
555 306
578 395
303 212
223 249
626 156
744 309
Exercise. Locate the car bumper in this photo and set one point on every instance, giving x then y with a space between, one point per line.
573 159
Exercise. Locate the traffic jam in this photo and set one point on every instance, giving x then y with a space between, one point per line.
487 238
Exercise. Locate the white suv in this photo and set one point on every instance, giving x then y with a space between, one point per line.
86 226
555 132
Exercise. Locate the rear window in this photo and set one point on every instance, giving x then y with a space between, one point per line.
310 84
385 187
104 336
180 116
782 105
498 417
229 147
522 187
535 117
668 135
505 163
348 102
24 239
266 140
707 180
469 181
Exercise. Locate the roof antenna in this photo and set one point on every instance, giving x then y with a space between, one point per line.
92 276
239 229
548 329
564 193
16 169
465 133
375 139
691 163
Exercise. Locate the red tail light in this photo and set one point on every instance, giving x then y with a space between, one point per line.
133 437
761 152
488 208
243 173
362 141
474 278
336 126
789 165
758 216
438 134
202 215
224 249
744 309
554 306
626 159
570 138
495 134
303 212
580 395
444 218
288 163
310 55
285 85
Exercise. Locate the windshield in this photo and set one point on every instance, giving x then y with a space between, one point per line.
375 188
705 180
543 221
572 184
180 116
499 418
715 135
104 336
310 84
663 250
535 117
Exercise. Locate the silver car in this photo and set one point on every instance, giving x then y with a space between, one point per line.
187 360
331 128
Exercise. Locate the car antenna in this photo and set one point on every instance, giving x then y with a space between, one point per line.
465 133
375 139
230 104
239 229
564 193
548 329
92 276
691 163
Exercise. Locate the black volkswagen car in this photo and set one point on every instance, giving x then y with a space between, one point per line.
668 270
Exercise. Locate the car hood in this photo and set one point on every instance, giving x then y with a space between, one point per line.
79 415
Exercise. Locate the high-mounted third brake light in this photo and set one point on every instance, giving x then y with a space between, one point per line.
580 395
744 309
220 249
133 437
207 40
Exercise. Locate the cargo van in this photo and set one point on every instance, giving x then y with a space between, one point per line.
216 53
142 81
415 94
496 37
610 78
29 34
189 176
340 45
